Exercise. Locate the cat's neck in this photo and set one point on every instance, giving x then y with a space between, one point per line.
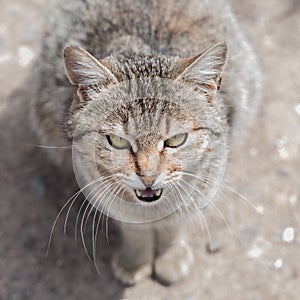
128 45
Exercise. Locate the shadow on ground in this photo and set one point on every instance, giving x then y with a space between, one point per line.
34 193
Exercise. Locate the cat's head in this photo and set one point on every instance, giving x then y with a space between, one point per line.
148 132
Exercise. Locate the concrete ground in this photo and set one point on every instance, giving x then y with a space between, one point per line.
255 255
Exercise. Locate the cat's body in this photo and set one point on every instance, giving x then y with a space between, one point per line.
150 66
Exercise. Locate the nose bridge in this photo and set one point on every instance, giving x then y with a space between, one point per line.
148 164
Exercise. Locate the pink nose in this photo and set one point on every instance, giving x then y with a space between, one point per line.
148 180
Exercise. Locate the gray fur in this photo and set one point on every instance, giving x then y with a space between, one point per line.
141 70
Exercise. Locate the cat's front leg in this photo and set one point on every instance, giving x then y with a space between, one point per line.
174 257
133 261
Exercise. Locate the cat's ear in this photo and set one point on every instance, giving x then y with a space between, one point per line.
83 69
205 69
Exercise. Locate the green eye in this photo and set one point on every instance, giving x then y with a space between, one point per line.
176 140
118 142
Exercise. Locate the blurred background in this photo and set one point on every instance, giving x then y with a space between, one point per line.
253 255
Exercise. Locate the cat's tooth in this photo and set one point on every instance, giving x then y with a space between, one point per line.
139 193
157 192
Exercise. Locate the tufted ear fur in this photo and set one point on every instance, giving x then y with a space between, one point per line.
83 69
205 69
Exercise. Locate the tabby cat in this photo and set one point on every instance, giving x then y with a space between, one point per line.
149 121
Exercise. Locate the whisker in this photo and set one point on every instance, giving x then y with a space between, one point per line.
103 208
83 222
111 202
200 193
82 233
104 178
107 195
68 212
96 195
60 212
51 147
96 181
121 205
77 217
231 189
223 217
103 194
198 211
201 223
97 228
54 224
177 198
227 187
186 208
94 234
213 205
105 190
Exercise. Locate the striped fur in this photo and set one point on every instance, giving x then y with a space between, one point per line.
146 71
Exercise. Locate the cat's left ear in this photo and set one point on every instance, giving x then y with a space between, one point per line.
83 69
205 69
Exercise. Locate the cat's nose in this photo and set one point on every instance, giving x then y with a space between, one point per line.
148 180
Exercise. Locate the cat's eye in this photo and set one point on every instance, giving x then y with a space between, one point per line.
117 142
176 140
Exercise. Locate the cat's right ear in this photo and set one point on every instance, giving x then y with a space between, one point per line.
205 69
83 69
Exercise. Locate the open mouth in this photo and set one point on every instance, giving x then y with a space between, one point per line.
148 195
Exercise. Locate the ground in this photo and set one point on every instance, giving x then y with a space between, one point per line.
254 254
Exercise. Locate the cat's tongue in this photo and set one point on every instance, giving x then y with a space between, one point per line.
147 193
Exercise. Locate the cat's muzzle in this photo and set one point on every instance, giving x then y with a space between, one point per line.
148 194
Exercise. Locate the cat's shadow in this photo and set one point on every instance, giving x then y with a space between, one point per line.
38 190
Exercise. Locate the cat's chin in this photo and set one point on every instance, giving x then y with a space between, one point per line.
148 194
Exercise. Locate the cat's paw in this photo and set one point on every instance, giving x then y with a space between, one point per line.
174 265
129 276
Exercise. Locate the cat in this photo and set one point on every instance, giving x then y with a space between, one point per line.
162 90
